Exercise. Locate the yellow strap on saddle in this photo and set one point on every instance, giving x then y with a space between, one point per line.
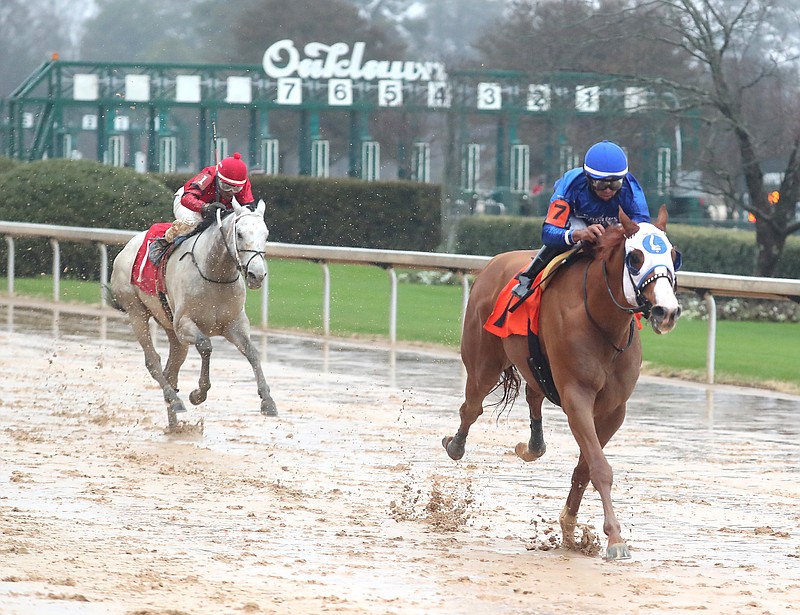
555 264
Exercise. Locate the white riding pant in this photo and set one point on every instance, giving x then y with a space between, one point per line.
186 220
184 214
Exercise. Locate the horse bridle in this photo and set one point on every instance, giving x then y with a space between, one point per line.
234 253
643 304
241 268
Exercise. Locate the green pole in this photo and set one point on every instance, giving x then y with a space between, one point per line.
202 136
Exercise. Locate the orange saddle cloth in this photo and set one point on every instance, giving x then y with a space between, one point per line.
145 274
509 317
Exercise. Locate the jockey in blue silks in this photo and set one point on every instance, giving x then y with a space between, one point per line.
585 201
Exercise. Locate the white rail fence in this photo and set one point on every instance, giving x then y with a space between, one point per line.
706 285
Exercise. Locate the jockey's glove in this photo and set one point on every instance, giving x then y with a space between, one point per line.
209 210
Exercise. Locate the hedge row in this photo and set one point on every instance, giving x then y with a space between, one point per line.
339 212
710 250
346 212
75 193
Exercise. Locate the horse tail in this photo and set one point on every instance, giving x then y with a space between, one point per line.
111 299
510 381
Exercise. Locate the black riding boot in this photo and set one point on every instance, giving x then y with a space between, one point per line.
539 262
157 249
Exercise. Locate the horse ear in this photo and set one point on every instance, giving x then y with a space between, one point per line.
663 216
261 207
631 228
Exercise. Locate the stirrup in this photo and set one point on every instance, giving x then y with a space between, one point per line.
523 287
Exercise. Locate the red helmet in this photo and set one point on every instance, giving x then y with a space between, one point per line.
232 170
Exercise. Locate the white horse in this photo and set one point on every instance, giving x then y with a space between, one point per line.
205 294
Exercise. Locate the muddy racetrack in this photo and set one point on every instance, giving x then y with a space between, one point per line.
347 503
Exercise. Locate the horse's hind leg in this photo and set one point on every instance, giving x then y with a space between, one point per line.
139 319
536 446
481 379
175 360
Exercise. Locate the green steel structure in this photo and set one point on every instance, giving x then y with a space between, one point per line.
526 129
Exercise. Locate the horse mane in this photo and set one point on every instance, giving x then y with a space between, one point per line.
610 241
210 221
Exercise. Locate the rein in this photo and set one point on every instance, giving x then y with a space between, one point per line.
643 308
233 253
623 308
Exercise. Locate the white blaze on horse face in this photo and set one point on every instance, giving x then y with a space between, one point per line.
664 295
652 242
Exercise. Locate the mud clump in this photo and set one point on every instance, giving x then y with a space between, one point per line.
444 509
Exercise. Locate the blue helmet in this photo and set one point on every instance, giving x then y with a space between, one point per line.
605 159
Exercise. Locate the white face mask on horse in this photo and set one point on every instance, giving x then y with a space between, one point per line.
650 259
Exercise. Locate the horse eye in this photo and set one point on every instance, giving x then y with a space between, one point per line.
634 261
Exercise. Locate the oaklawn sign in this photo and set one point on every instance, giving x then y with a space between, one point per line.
321 61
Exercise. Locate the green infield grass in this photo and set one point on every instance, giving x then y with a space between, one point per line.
750 353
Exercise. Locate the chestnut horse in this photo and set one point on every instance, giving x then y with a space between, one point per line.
587 334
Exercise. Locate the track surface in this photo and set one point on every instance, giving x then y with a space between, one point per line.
347 503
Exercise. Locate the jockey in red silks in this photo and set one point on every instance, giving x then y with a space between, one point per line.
212 189
585 201
199 199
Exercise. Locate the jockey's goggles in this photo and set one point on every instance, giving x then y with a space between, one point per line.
607 183
226 187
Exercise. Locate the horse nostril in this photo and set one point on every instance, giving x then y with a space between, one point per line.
678 313
658 313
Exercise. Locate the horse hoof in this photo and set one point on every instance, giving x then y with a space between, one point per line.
524 452
197 397
268 407
618 551
454 447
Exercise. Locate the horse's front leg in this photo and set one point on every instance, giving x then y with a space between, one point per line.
568 520
239 336
535 447
592 435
